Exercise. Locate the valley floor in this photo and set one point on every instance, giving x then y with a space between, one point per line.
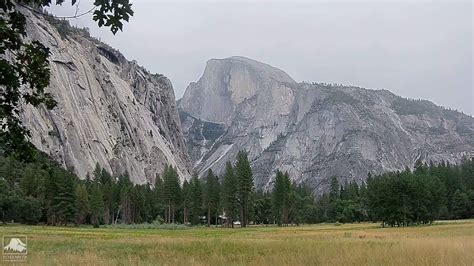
444 243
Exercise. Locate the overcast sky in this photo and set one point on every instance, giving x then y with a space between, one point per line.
414 49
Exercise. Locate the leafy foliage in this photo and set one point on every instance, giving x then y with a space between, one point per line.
24 67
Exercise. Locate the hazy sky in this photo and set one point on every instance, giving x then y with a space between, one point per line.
414 49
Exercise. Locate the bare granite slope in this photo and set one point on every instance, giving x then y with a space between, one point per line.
313 131
111 111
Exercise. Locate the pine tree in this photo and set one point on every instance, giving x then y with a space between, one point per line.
137 204
187 201
245 185
172 192
230 195
279 197
30 210
51 186
126 193
333 198
116 199
217 200
211 196
289 199
263 208
97 172
96 205
196 200
6 201
304 209
420 167
146 192
64 200
82 204
107 184
158 198
88 182
460 205
32 181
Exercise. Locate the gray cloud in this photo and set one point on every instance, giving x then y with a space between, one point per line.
414 49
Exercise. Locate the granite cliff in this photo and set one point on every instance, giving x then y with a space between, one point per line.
110 111
313 131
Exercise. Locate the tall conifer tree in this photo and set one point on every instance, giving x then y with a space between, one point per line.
196 200
245 186
230 198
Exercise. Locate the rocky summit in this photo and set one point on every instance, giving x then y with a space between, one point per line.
110 111
313 131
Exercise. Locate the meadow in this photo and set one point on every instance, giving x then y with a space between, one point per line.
444 243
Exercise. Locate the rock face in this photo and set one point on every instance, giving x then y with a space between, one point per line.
110 111
204 135
313 131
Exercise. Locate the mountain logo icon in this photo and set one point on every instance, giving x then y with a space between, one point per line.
14 245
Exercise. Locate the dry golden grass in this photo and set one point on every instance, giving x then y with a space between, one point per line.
447 243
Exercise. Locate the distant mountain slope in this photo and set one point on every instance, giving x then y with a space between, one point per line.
315 131
204 134
111 111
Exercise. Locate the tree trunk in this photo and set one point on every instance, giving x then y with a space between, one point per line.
118 214
246 214
107 216
208 215
184 215
174 210
243 217
168 217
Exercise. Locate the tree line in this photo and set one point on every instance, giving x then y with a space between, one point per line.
403 198
43 192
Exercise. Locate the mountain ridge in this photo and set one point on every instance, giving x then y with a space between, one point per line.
319 127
